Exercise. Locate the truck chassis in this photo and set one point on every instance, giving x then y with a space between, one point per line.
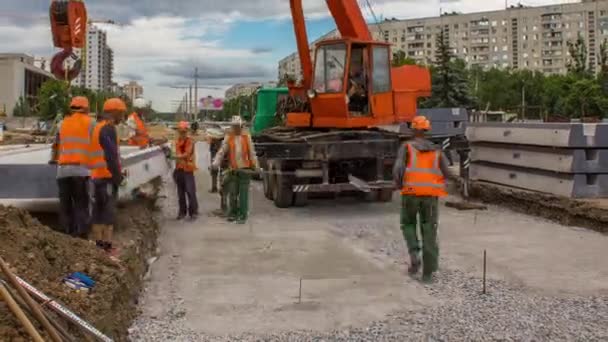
298 163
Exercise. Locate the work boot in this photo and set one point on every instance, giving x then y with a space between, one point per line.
180 217
193 217
427 278
414 264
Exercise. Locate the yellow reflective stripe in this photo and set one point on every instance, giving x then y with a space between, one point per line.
96 154
75 140
431 185
434 171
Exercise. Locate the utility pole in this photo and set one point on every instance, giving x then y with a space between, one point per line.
190 111
523 102
195 93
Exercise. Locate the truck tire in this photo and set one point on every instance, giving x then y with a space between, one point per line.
268 180
300 199
385 195
283 191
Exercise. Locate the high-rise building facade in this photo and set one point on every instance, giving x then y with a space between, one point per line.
98 67
534 38
133 90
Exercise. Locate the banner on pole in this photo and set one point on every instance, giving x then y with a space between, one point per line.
211 103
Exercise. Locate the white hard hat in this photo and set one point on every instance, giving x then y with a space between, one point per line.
236 120
140 103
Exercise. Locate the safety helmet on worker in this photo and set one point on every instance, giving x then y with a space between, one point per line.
114 108
182 126
236 121
79 104
140 103
421 123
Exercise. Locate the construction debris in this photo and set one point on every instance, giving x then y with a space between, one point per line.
42 258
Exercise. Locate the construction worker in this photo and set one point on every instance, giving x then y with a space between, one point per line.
421 172
71 153
106 172
242 163
185 165
138 133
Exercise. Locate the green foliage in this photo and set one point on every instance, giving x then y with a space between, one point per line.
449 77
578 54
53 99
285 79
400 58
22 108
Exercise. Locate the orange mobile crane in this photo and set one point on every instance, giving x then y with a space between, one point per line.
344 122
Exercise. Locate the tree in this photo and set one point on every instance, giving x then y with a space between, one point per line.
449 78
586 98
53 99
578 54
400 58
22 108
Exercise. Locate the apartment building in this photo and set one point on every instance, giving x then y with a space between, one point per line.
133 90
517 37
20 77
98 68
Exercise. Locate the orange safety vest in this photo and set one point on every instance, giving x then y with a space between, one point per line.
188 164
245 150
423 176
75 139
140 138
97 161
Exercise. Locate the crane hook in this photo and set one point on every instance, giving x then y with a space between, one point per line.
58 61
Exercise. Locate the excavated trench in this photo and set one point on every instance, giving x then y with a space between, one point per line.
43 257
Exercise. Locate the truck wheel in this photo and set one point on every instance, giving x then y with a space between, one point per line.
300 199
385 195
283 191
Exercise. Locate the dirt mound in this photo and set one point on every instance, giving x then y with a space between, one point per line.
44 257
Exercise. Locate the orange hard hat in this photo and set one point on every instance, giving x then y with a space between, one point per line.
114 106
182 126
421 123
79 103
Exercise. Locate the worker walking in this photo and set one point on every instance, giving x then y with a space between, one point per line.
185 165
138 133
421 171
71 153
106 172
242 162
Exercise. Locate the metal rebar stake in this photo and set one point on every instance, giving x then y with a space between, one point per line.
484 271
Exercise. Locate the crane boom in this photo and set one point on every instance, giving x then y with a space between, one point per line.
349 19
299 25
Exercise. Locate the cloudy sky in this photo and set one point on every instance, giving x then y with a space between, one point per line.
159 42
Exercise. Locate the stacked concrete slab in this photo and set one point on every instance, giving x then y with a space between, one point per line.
569 159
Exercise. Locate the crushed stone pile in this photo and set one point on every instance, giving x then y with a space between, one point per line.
43 257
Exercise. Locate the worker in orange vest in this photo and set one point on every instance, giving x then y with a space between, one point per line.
106 172
420 171
71 153
242 163
138 133
185 165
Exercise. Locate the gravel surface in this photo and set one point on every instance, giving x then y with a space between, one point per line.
505 313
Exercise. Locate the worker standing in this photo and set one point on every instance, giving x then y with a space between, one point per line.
242 162
106 172
71 153
421 171
185 165
138 133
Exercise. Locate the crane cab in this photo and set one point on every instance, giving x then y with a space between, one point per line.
351 86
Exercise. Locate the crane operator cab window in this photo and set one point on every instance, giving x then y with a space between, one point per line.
358 104
329 68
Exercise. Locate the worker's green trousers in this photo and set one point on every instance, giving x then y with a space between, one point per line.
238 194
426 208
